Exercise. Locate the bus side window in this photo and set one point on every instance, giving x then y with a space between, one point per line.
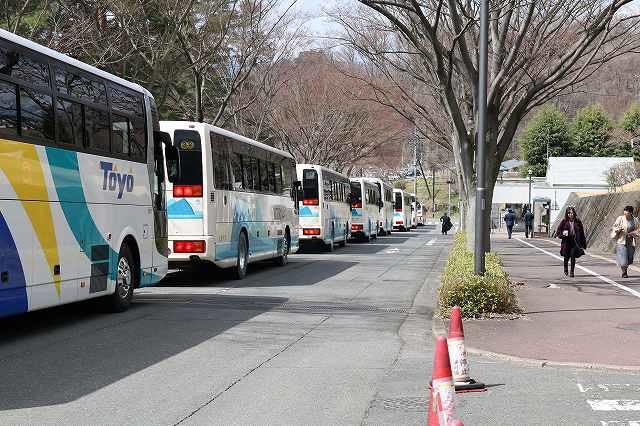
8 109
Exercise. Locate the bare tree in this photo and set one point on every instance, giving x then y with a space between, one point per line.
538 51
318 120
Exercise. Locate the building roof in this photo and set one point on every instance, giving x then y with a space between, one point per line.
582 171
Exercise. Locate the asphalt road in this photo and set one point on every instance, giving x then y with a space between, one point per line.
339 338
331 338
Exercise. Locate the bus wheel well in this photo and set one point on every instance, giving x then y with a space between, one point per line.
130 242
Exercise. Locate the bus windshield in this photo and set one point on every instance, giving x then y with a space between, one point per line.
190 157
310 196
356 195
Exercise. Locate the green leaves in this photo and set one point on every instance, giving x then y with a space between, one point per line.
591 132
549 127
477 296
588 135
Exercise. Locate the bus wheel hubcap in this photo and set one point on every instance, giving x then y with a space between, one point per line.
243 254
124 278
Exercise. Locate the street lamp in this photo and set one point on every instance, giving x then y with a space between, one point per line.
530 173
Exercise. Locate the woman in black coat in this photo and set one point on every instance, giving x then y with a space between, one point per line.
571 231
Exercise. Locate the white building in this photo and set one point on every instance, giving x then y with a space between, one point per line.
549 194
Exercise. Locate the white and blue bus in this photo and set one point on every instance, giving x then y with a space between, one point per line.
325 213
365 208
402 213
82 207
414 210
385 219
231 200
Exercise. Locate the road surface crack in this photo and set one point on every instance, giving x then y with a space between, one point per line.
248 373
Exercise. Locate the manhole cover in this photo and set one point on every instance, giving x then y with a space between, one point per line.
403 404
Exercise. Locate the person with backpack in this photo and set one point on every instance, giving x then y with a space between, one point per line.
446 223
528 223
510 220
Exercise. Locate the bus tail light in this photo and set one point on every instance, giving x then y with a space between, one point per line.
189 246
310 202
399 210
356 205
356 227
399 222
311 231
187 191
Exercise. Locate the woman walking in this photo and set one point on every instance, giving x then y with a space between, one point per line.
625 231
571 231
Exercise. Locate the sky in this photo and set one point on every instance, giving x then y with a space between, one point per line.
318 23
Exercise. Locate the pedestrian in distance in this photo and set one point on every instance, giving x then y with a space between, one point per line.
446 223
626 229
574 241
528 224
510 220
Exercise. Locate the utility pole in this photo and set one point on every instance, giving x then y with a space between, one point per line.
433 192
480 243
449 182
415 165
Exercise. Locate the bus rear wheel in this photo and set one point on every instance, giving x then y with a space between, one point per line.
283 259
126 279
330 247
242 261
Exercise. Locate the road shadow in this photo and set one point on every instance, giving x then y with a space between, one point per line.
56 356
260 274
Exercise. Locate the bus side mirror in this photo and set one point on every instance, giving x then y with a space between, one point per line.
173 163
296 191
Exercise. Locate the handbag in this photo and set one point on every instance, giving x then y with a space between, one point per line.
578 251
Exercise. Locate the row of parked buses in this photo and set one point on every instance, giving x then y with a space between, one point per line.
97 196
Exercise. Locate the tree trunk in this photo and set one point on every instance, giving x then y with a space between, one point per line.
433 193
199 116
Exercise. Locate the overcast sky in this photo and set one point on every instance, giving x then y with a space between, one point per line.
319 24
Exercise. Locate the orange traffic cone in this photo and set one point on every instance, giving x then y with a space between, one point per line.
458 355
441 403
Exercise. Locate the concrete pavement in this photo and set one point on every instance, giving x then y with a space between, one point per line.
590 319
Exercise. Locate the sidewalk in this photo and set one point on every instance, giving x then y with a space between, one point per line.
586 319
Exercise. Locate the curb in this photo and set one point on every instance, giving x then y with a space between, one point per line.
438 329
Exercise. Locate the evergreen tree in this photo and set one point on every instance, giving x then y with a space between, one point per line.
548 127
631 124
591 133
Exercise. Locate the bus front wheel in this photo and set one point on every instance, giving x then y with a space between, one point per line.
243 257
126 278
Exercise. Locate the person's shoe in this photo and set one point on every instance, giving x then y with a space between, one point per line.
624 272
566 271
571 275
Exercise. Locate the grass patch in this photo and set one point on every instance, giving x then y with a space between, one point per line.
477 296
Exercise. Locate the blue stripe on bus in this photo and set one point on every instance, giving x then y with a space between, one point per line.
66 178
181 209
13 298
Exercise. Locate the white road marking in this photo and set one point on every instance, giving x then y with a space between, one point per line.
595 256
587 270
392 250
619 423
614 404
609 387
431 242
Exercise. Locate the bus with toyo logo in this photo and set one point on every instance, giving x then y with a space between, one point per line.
82 200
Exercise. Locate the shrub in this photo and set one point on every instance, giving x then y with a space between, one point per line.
477 296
